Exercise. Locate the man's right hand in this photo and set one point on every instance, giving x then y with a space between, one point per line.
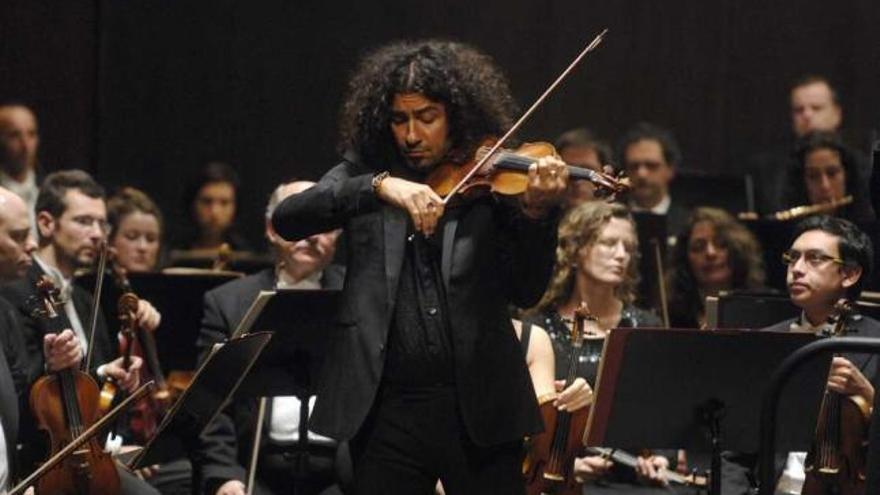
61 350
231 487
424 206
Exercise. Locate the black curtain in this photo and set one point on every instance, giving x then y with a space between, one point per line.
143 93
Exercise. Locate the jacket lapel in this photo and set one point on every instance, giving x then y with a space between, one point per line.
448 244
394 226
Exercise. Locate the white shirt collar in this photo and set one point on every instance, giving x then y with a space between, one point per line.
311 282
660 208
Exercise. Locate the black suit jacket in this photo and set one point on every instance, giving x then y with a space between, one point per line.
225 446
22 293
492 256
14 382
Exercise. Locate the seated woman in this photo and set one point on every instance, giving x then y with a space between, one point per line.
826 170
596 262
211 204
714 252
136 230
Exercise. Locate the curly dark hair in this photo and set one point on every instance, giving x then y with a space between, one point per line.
475 93
744 256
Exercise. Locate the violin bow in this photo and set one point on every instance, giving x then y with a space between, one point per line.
525 116
96 301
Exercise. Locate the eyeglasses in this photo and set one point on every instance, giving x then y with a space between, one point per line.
813 257
87 221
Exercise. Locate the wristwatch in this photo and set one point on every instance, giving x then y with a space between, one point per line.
377 180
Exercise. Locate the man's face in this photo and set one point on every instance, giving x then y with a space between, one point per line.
77 234
708 257
580 191
420 129
135 242
813 109
16 242
824 176
815 280
648 171
19 139
214 207
308 255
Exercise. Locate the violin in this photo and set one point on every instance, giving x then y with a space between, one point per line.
64 405
138 341
548 466
127 307
836 461
505 172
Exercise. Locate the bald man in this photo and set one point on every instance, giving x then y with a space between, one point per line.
227 441
16 373
19 143
16 242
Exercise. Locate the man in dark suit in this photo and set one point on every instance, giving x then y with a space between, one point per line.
829 260
226 445
650 155
425 374
71 216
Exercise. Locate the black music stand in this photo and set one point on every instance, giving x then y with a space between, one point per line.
212 387
178 297
691 381
302 325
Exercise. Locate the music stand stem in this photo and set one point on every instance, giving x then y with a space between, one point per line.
255 452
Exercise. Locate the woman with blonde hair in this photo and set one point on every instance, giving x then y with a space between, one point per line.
596 262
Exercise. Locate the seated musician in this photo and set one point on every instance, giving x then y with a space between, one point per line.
71 216
714 252
211 205
226 443
829 260
60 351
595 263
827 170
136 233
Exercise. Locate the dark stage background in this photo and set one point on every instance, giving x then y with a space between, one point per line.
145 92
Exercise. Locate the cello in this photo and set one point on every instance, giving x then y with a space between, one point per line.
64 404
836 461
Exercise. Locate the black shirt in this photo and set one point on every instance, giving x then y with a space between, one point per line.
419 348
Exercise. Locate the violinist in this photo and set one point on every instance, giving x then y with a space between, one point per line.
596 262
71 218
830 259
136 233
60 351
426 377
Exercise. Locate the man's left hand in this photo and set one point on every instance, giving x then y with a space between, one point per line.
846 379
148 317
547 187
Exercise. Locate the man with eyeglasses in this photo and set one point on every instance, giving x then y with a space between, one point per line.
829 260
650 156
71 222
